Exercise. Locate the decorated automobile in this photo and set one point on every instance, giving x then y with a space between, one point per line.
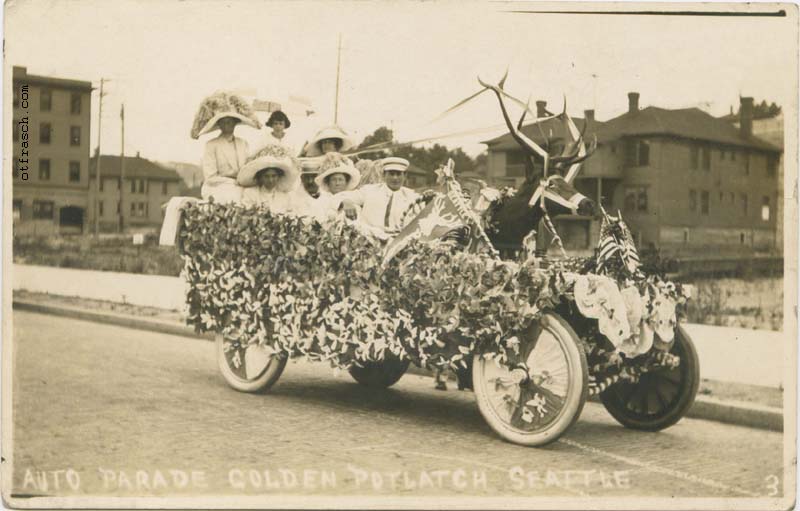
533 337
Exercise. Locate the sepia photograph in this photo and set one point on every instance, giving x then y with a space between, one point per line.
272 254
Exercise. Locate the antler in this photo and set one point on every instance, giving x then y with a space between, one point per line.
527 144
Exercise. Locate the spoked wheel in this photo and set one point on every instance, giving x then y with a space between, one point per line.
383 374
248 368
542 395
660 398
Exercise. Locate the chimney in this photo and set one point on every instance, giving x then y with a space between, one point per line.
746 116
633 102
138 155
588 115
541 106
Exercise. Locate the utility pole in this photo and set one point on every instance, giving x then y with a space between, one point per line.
336 102
98 176
122 173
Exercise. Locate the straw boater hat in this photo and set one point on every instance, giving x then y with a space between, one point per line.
313 149
219 105
335 163
273 156
394 163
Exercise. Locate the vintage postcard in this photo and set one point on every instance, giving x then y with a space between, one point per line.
399 254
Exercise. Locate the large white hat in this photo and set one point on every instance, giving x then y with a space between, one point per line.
335 163
273 156
222 104
312 147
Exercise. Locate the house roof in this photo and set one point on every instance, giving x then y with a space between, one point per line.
21 74
689 123
553 128
135 166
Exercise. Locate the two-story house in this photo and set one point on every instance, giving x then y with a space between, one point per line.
137 202
685 182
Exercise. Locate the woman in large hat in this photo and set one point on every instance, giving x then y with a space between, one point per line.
269 178
336 174
225 154
332 139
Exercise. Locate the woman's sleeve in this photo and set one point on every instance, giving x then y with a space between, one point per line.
248 197
209 161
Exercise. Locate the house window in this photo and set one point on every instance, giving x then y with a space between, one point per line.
74 171
164 188
100 208
133 209
43 210
74 135
46 100
102 184
686 236
733 155
747 164
44 169
515 158
743 201
772 166
75 103
644 153
694 157
741 238
706 158
722 154
692 200
704 200
141 186
45 130
765 209
142 209
636 198
133 186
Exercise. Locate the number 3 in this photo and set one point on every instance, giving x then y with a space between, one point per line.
772 482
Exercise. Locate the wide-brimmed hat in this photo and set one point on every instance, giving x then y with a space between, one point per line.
312 147
277 115
218 105
272 156
335 163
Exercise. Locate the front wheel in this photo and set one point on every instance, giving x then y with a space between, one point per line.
248 368
660 398
536 400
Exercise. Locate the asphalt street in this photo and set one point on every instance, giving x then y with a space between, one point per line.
105 410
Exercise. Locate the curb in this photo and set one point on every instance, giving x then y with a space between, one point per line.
706 408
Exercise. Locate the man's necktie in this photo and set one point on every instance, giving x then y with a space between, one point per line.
388 211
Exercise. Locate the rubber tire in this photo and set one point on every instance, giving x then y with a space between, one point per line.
573 347
690 381
258 385
381 374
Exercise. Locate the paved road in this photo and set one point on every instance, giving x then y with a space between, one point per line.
105 410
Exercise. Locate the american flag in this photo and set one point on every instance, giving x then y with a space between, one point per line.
616 246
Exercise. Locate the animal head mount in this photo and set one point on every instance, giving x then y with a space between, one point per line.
568 160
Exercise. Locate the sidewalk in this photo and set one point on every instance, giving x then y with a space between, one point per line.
736 387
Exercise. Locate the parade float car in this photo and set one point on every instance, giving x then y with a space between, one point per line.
533 337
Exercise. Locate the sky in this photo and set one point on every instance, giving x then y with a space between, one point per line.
402 63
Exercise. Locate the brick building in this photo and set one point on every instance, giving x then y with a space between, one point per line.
50 133
139 199
685 181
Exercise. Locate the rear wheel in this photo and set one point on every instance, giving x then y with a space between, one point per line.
660 398
248 368
383 373
534 402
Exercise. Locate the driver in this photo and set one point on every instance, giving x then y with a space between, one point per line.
382 204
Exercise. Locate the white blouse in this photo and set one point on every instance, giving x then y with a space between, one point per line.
276 201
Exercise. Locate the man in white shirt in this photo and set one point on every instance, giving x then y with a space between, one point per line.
382 204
